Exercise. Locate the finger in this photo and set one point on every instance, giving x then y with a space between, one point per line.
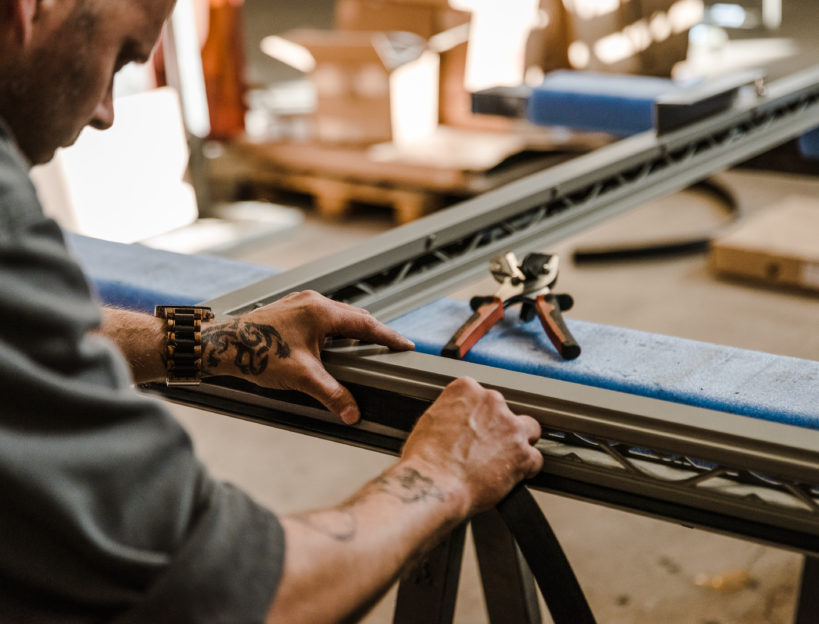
536 463
323 387
533 432
532 428
369 329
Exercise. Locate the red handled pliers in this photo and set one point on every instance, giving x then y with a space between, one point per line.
528 283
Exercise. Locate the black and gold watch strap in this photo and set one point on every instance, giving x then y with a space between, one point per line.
183 352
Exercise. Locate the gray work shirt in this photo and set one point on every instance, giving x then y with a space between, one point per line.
105 512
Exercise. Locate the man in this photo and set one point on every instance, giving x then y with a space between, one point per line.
106 514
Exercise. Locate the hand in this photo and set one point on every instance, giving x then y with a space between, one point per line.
278 346
470 440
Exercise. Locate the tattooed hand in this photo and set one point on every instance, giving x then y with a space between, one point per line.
471 443
251 342
279 346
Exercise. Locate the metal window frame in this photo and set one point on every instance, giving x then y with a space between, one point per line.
727 473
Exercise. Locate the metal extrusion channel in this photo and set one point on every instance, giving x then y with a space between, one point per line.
721 443
779 508
779 450
401 269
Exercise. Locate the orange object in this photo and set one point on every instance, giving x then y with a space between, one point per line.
223 64
484 318
548 311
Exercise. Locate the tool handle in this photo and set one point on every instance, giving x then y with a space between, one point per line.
469 333
548 311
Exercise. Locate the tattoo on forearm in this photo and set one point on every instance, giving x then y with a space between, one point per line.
251 341
339 524
408 486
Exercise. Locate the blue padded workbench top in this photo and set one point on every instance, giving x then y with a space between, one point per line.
138 277
739 381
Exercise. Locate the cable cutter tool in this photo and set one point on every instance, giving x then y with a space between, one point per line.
529 283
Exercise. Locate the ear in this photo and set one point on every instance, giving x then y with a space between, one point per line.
24 14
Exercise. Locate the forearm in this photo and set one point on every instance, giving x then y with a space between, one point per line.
141 338
339 561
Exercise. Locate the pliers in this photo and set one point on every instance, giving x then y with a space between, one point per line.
529 283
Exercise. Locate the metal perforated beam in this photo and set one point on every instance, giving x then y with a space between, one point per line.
399 270
730 473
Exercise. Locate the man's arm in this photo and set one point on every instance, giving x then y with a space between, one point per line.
277 346
141 338
466 452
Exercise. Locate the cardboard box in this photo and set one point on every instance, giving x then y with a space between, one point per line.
364 98
370 86
630 36
374 15
422 17
548 45
669 28
778 247
596 38
425 18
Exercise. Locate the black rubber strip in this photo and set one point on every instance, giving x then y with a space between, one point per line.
665 248
547 561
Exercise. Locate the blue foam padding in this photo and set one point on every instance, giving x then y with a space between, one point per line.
809 144
619 104
744 382
138 277
614 103
740 381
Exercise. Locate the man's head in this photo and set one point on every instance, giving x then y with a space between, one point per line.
57 64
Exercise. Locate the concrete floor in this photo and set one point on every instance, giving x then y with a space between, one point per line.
634 569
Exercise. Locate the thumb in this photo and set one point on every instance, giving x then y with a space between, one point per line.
323 387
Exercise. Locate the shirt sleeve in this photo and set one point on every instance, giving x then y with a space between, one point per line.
106 514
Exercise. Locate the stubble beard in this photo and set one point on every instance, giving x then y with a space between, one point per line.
40 97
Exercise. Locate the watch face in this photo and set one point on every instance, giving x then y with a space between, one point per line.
170 311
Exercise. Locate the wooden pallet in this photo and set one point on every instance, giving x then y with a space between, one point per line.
333 197
336 177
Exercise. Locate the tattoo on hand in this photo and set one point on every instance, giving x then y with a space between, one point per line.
252 342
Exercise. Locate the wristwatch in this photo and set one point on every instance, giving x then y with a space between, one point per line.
183 351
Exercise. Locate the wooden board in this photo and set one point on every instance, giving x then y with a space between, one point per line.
779 246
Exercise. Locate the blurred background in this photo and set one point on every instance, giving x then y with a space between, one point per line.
328 106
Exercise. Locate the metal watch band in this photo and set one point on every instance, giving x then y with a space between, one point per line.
183 351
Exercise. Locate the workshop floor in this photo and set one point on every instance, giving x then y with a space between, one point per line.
634 569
